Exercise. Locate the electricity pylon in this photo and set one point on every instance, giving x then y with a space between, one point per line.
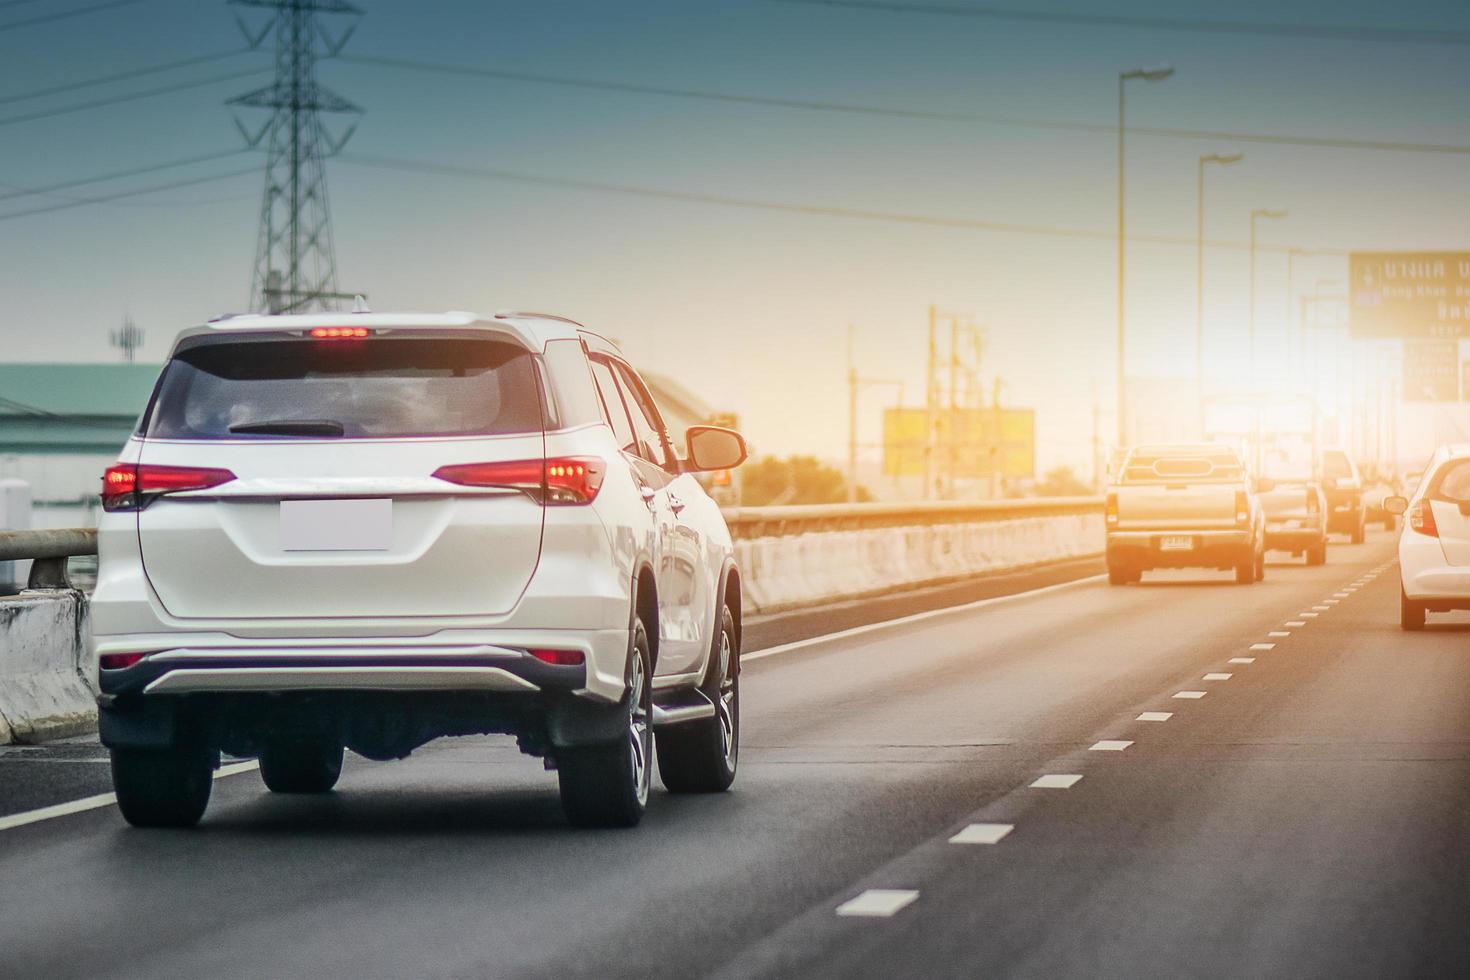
295 258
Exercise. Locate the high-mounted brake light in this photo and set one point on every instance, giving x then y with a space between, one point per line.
130 486
1421 519
340 333
566 480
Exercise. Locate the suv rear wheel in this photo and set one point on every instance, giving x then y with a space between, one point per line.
607 785
162 787
1317 553
301 766
1245 569
700 756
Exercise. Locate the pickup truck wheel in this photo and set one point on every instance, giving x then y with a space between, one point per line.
607 785
1245 570
1359 531
1117 575
292 766
1411 613
1260 568
701 756
162 787
1317 554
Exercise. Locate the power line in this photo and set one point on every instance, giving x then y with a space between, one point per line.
36 411
850 108
117 175
64 14
861 214
130 97
120 76
1324 32
82 202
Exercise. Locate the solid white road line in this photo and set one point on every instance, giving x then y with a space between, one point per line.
1109 745
1191 695
982 833
98 801
1263 646
1155 716
880 902
1057 780
914 618
1218 677
1242 660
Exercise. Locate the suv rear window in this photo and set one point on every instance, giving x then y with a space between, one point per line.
355 389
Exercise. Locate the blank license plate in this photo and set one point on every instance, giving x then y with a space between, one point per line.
1176 543
336 525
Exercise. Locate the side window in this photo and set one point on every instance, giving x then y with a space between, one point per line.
612 404
646 423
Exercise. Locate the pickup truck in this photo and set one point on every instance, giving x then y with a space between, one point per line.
1184 506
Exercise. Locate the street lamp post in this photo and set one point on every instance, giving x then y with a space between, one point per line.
1224 160
1149 75
1257 214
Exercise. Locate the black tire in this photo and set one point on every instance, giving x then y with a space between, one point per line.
1245 570
607 785
1360 531
162 787
301 766
1260 568
1117 575
1317 554
701 756
1411 614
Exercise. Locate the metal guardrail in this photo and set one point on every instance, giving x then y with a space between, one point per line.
760 522
48 551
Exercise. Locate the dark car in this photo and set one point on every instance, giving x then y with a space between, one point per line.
1295 520
1343 486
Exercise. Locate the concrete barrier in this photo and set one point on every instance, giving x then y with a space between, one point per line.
46 686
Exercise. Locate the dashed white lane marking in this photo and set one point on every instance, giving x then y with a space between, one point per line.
1242 660
914 618
1329 602
1263 646
1279 633
1109 745
1191 695
1057 780
1298 623
982 833
1342 595
1321 609
1155 716
1218 677
879 902
1304 615
98 801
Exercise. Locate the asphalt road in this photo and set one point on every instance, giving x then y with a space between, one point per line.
1308 816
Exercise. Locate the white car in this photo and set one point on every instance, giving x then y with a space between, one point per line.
372 530
1434 548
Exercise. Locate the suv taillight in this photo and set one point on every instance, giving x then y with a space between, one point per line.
1242 508
1421 519
131 486
563 480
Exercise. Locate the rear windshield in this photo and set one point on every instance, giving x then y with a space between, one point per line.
354 389
1221 467
1284 500
1335 465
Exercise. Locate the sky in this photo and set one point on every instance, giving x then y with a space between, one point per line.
750 306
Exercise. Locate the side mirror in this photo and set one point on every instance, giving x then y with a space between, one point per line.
1395 505
713 448
1265 485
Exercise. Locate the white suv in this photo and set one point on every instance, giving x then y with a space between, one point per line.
372 530
1434 548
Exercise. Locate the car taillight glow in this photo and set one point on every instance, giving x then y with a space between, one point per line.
1242 508
558 658
563 480
118 661
1421 519
130 486
339 333
1110 510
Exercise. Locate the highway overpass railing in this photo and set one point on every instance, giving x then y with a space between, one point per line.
788 556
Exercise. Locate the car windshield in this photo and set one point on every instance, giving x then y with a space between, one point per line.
373 388
1204 467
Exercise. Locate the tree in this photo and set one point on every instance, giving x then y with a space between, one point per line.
794 480
1062 482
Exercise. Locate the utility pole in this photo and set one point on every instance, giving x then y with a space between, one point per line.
930 380
852 409
952 440
295 258
127 339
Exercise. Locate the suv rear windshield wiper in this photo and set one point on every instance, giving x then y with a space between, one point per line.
290 427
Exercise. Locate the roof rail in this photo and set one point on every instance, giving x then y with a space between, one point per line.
507 314
227 316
